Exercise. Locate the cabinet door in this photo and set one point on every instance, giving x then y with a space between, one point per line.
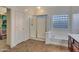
75 49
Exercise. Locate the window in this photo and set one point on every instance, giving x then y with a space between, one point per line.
60 21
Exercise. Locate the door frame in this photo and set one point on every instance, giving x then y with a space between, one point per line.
8 29
8 42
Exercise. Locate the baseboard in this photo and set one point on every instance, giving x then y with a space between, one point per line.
57 43
39 39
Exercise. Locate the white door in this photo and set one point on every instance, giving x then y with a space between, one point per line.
20 35
22 25
33 27
41 24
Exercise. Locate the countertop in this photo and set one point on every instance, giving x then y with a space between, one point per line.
75 36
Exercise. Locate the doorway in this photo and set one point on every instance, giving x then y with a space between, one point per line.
4 28
38 26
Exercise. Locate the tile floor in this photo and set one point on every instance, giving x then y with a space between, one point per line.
37 46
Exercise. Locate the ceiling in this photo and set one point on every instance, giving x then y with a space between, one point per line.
51 9
22 8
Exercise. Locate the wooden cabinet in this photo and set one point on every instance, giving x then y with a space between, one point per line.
73 45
